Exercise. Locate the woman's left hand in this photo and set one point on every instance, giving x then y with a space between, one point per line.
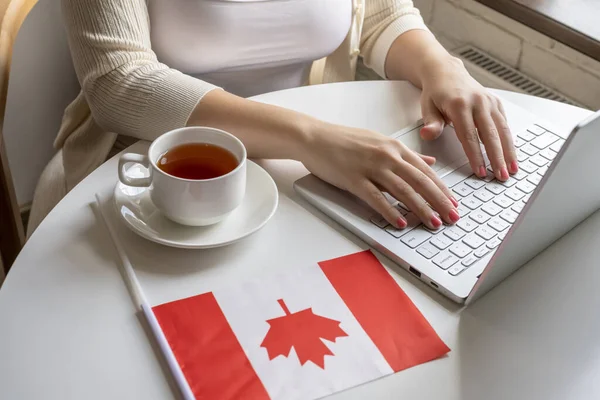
451 95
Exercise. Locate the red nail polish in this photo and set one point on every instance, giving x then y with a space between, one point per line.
514 167
401 223
436 222
454 202
504 173
482 173
454 217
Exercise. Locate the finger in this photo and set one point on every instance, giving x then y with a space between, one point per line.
429 160
417 162
403 191
506 139
428 190
433 121
370 194
469 138
491 140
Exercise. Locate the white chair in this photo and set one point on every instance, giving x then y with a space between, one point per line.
42 83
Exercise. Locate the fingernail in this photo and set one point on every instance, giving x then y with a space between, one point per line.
482 172
514 167
504 174
454 202
436 222
401 223
454 217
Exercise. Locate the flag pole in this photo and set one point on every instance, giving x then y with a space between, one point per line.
136 291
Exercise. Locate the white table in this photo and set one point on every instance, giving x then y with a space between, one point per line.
68 329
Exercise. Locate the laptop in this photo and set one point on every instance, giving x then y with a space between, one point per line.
503 225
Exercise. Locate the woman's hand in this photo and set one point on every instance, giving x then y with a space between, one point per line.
367 163
451 95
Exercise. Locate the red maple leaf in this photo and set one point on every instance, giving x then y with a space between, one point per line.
304 331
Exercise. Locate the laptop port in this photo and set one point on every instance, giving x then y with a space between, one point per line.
414 271
434 285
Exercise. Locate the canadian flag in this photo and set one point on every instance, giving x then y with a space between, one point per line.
304 334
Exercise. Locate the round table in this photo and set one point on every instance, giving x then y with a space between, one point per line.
69 330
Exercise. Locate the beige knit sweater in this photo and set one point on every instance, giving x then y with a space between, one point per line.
127 91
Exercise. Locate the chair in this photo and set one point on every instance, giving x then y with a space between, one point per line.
42 83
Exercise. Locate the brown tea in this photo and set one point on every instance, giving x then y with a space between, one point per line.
197 161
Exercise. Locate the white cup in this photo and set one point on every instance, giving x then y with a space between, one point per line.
189 201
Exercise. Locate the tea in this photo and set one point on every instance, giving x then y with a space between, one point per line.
197 161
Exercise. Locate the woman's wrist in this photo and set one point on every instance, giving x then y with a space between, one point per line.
438 66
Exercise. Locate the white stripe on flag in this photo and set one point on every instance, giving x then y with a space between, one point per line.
247 308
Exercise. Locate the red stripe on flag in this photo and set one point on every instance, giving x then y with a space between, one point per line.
388 316
207 350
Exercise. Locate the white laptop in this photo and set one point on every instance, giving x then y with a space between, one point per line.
503 224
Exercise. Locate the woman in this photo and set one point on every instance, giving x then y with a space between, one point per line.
128 55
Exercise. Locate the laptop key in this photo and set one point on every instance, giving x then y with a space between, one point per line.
536 130
445 260
492 244
441 242
466 224
479 216
495 187
520 175
462 210
471 202
503 201
509 216
469 260
485 232
502 235
379 221
526 187
526 136
527 197
460 250
482 251
548 154
484 195
518 207
542 171
395 232
515 193
544 141
455 233
463 189
528 167
538 160
473 241
521 156
529 149
498 224
518 142
534 179
416 237
474 183
557 146
428 251
457 270
492 209
509 182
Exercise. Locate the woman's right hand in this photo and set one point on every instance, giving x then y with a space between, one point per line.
366 164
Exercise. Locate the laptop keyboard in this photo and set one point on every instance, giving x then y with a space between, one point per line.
487 208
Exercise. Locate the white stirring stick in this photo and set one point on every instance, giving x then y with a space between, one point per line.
135 289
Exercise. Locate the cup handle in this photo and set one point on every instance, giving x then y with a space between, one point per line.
138 159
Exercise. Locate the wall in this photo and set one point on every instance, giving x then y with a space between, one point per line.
458 22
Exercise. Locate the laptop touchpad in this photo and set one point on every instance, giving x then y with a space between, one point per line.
446 149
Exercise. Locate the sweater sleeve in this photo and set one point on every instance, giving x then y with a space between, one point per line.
128 91
385 21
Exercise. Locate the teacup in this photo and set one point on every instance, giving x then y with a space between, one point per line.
193 202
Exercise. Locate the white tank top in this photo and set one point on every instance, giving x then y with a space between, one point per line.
247 47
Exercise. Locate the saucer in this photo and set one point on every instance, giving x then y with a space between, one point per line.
141 216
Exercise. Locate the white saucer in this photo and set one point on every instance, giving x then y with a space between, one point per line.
141 216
